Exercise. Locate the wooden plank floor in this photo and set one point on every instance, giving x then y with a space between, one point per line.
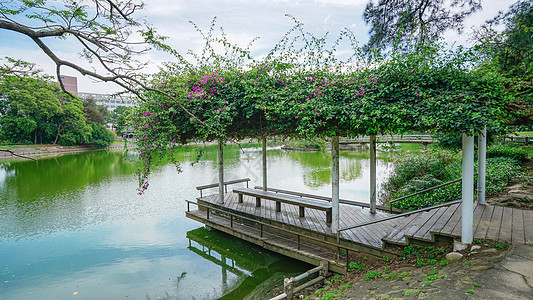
315 220
490 222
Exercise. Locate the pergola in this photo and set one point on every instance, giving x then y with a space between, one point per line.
283 100
467 215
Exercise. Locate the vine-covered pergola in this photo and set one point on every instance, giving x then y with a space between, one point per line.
427 91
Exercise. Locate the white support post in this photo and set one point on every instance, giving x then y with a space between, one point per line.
482 165
373 174
335 184
220 171
264 146
467 219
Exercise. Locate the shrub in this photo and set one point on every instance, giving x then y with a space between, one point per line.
414 177
416 172
506 150
371 275
101 137
308 143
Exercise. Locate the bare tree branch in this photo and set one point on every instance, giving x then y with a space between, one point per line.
15 154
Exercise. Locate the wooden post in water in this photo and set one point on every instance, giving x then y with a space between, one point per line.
482 165
220 171
264 148
373 174
467 217
335 184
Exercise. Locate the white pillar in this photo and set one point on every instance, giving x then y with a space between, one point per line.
373 174
467 219
335 184
482 165
220 172
264 144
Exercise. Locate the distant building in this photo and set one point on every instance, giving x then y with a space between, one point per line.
107 100
70 83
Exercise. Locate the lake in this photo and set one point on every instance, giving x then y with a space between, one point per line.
74 225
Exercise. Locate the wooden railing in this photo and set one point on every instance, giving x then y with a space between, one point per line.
343 201
518 139
415 138
288 284
397 216
298 235
226 183
424 191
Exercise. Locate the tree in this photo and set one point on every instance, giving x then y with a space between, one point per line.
104 29
510 53
415 22
109 33
94 112
120 117
512 48
101 137
34 110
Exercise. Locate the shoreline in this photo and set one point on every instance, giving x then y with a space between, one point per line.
43 151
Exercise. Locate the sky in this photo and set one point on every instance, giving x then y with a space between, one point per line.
242 20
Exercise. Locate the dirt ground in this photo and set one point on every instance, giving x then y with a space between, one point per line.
519 194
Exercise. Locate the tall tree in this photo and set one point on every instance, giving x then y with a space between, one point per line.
408 22
34 110
510 52
94 112
107 33
512 47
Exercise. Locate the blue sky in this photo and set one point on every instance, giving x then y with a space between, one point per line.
242 21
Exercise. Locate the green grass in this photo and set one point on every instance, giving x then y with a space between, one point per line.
529 133
17 146
529 150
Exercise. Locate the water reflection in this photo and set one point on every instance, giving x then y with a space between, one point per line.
243 266
75 223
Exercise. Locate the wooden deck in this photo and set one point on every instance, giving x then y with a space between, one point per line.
314 220
490 222
497 223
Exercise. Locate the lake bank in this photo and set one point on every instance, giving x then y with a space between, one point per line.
46 150
496 274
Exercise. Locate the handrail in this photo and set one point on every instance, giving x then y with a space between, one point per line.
320 240
425 191
318 197
226 183
288 284
401 215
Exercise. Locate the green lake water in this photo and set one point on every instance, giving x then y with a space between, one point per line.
74 225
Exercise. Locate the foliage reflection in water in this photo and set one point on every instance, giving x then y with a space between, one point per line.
75 223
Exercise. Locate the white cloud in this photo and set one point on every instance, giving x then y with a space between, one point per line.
242 21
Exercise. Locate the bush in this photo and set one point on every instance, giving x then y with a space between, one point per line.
101 137
309 143
416 172
411 175
510 151
67 139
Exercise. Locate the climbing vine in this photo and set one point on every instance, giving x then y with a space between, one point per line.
302 88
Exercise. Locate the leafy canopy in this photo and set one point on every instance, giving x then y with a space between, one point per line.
414 22
302 89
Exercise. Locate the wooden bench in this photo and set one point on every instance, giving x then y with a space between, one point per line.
226 183
342 201
302 203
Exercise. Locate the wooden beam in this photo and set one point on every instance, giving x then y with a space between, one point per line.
220 171
264 146
373 174
335 184
482 165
